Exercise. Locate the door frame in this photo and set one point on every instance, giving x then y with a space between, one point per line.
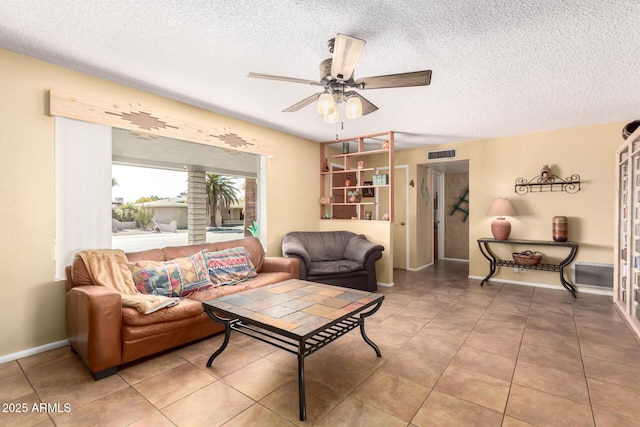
438 185
406 208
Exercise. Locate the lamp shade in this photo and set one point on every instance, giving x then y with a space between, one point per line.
333 117
501 207
326 104
500 227
353 109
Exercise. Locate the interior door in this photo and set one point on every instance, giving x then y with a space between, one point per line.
400 226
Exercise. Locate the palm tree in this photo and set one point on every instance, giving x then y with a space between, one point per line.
220 192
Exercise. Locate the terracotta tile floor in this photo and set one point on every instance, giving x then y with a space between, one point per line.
453 354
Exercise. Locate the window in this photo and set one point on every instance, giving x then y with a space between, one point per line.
85 153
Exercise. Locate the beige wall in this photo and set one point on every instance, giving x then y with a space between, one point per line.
494 165
33 314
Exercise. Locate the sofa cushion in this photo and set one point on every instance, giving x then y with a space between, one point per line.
333 267
175 278
230 266
185 310
251 244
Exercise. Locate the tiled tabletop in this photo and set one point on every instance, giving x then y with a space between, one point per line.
295 306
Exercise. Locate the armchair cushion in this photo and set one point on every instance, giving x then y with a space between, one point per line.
334 267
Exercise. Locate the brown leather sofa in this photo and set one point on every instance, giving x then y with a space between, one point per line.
105 334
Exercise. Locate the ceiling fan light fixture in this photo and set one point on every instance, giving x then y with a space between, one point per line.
326 105
333 117
353 107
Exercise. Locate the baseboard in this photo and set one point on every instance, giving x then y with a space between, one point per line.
32 351
579 289
386 285
456 260
420 268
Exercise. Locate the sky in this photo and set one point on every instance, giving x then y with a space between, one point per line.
136 182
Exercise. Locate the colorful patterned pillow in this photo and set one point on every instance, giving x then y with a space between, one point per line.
230 266
178 277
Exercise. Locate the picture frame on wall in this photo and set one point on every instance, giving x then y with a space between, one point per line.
368 192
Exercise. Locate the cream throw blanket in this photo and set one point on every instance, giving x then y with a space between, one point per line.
108 267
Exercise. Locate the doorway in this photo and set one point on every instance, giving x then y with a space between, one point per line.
450 181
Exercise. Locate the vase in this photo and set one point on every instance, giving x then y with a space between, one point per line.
560 229
347 182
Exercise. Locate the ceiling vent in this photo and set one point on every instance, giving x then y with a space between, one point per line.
442 154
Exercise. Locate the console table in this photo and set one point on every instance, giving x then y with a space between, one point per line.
495 262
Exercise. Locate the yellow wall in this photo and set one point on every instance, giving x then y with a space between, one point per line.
494 165
33 312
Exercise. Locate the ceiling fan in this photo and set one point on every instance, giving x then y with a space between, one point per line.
337 79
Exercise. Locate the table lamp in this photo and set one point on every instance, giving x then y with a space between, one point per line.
501 227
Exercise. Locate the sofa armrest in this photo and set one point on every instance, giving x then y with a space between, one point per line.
278 264
358 248
94 326
293 247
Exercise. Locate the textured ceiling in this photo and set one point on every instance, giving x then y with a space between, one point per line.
499 67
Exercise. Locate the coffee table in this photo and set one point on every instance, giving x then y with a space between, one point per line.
296 316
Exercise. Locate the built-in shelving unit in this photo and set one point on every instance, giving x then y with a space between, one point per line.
626 292
332 182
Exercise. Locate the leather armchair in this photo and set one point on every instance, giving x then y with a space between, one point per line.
338 258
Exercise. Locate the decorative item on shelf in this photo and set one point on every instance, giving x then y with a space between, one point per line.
501 227
325 168
630 128
367 215
545 173
345 148
368 192
560 229
527 258
347 182
385 145
325 200
360 164
380 179
355 196
385 217
327 216
548 182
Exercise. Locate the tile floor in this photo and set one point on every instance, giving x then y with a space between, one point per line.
453 354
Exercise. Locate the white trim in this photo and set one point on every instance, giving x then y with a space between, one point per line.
421 268
262 201
579 289
386 285
456 260
32 351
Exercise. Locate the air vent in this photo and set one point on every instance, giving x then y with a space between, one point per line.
442 154
593 275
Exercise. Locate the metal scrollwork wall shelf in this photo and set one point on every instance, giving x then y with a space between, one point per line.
550 183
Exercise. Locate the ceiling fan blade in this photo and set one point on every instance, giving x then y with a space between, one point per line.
346 52
367 107
303 103
416 78
284 79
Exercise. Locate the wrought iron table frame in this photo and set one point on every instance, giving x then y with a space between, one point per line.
495 262
301 345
